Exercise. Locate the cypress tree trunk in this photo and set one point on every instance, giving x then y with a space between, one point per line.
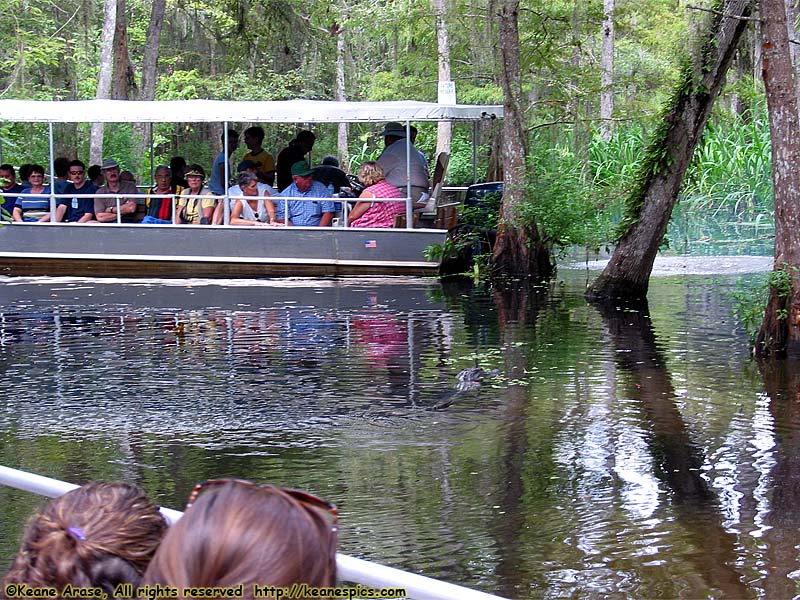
104 76
780 328
445 128
519 250
627 275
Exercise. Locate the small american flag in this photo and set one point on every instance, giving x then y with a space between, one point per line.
370 244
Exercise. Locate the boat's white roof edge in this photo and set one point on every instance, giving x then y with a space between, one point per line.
218 111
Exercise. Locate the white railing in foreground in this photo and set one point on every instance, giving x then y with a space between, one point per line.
349 568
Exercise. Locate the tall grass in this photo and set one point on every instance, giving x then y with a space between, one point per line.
577 195
730 175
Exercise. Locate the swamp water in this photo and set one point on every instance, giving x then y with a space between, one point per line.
619 454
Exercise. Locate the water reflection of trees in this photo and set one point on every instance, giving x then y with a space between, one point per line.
678 460
782 383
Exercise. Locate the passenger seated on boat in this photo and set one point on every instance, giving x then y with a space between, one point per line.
295 152
105 209
32 209
235 532
251 206
95 175
99 535
265 164
177 165
159 210
24 173
79 208
8 185
375 214
329 174
216 182
192 209
61 171
310 213
394 163
248 166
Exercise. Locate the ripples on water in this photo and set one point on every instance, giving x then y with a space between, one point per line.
617 455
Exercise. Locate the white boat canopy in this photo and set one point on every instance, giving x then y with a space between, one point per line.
217 111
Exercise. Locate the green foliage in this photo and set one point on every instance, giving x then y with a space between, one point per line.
750 302
566 207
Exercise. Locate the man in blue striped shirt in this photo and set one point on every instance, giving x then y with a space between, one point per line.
305 213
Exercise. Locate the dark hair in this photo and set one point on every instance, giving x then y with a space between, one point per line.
34 168
7 167
98 535
330 160
94 172
256 132
232 135
61 166
24 171
177 163
242 534
306 136
77 163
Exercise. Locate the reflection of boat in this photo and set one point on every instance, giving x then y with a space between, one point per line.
221 251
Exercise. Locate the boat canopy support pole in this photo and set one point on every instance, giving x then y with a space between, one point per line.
52 175
150 144
348 568
409 199
226 207
474 152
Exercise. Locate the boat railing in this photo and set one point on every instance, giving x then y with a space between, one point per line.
350 569
226 199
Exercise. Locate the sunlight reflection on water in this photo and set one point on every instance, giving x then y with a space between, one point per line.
617 454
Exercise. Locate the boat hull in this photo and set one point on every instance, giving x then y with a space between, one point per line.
118 250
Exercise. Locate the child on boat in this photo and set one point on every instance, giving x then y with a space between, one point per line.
235 533
97 536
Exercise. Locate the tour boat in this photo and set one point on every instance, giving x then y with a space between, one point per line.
136 250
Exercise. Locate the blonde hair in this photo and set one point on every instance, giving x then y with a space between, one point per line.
370 173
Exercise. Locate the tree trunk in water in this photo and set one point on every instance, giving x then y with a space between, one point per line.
445 129
104 76
147 88
607 73
780 328
649 207
519 250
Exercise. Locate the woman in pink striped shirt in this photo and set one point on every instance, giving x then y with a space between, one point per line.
368 213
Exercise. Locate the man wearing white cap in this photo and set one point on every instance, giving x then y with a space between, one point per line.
398 167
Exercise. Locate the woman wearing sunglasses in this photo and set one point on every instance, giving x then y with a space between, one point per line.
237 533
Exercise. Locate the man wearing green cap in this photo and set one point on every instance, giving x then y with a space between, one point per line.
305 213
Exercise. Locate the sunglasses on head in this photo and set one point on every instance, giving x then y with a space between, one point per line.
303 498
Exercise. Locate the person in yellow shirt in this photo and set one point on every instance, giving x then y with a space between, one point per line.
265 171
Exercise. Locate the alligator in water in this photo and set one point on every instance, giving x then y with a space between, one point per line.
469 380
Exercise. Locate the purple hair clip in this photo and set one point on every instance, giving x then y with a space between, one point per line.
76 532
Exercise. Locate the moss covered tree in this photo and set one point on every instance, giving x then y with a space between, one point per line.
649 207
